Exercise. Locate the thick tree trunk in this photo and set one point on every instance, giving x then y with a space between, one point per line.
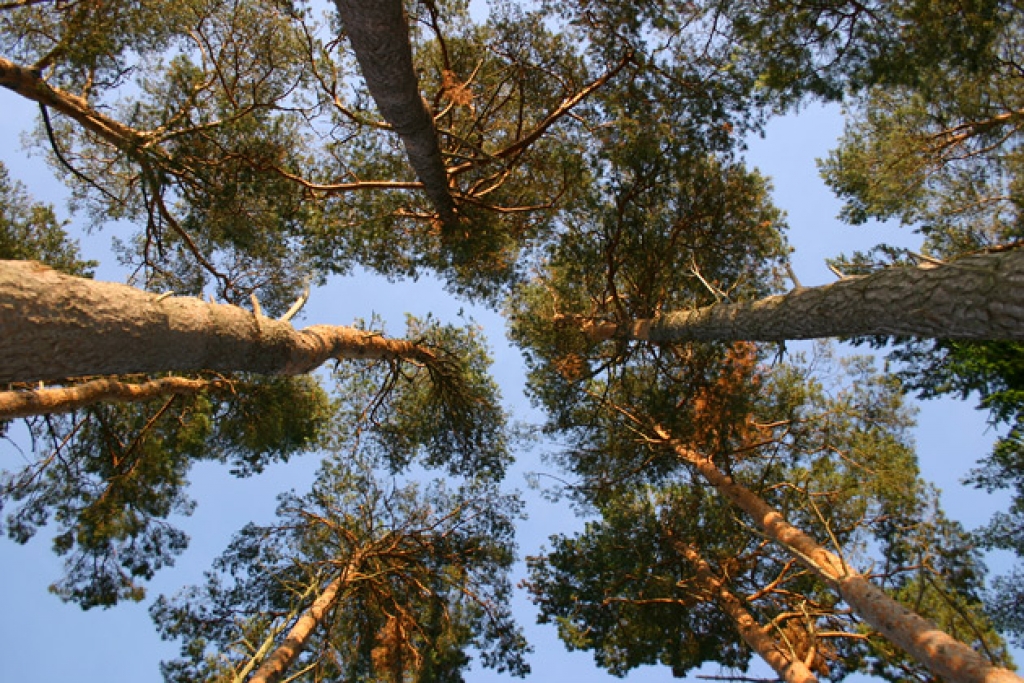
276 665
55 326
944 656
760 641
976 297
379 32
42 401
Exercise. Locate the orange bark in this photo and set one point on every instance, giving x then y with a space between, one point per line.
280 660
789 669
30 85
24 403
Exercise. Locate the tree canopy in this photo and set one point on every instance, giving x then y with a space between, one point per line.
577 166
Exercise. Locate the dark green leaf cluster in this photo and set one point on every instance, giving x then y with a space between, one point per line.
622 590
112 476
31 231
939 148
446 413
88 47
830 48
663 229
684 73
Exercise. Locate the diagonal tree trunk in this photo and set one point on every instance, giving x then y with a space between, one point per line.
379 32
944 656
276 665
788 668
55 326
42 401
976 297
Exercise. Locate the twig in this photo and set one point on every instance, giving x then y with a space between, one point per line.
839 274
792 276
927 259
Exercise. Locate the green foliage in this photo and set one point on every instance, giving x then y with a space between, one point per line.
684 73
252 161
269 418
827 445
662 229
1005 600
86 46
992 370
110 477
31 231
442 414
830 48
255 161
620 588
252 152
492 87
940 150
425 579
933 566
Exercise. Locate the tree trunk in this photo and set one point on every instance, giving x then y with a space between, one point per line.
976 297
55 326
760 641
42 401
281 659
944 656
379 32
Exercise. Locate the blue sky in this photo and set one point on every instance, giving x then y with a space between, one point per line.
45 640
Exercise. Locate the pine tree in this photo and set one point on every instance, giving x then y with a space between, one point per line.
359 580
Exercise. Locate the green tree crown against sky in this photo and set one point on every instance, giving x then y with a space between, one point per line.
211 165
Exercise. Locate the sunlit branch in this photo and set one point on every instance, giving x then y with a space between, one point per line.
27 402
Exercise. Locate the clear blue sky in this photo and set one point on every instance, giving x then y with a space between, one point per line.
45 640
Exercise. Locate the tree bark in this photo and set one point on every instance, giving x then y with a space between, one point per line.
975 297
281 659
55 326
379 32
944 656
42 401
760 641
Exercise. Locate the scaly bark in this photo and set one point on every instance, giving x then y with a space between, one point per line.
379 32
760 641
55 326
26 402
976 297
944 656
